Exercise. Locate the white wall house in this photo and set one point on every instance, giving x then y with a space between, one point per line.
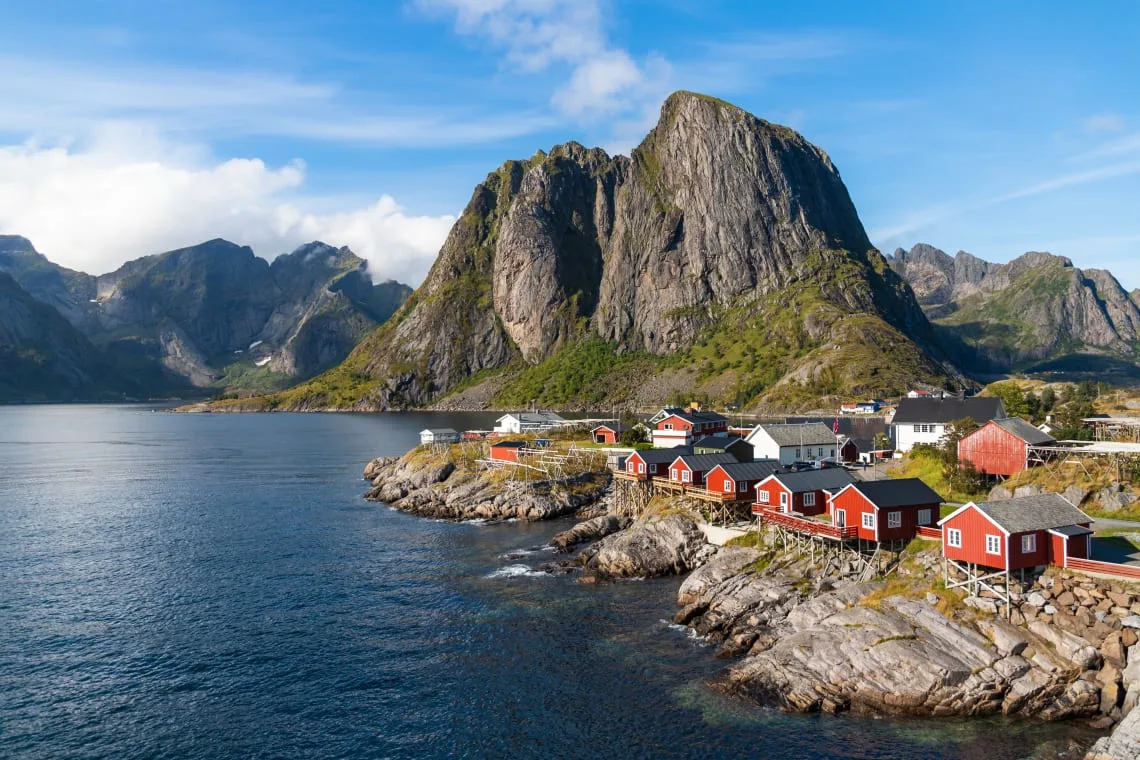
808 442
924 421
439 435
527 422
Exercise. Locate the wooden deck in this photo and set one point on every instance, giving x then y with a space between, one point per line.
806 525
664 485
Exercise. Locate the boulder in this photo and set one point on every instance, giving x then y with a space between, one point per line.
1114 498
1075 495
1123 742
1008 639
588 530
1000 493
1069 646
653 546
1029 490
727 562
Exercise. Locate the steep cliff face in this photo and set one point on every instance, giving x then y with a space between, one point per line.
718 222
1036 308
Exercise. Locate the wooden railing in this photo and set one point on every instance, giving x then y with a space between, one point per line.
1104 568
805 524
934 533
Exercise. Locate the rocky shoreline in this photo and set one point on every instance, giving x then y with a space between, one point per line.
806 637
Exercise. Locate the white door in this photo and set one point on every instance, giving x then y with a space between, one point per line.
841 518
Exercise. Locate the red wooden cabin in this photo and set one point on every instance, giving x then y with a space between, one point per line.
806 492
609 434
886 510
690 469
506 451
740 478
652 463
1001 447
1017 533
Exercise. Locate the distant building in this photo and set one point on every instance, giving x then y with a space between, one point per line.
681 428
609 433
653 463
439 435
862 407
807 442
1001 447
724 444
507 451
862 450
527 422
925 420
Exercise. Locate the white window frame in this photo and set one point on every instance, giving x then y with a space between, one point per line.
727 485
686 476
653 468
993 544
743 486
954 538
924 516
1029 543
783 498
809 499
841 518
674 474
918 428
894 519
868 520
763 496
668 426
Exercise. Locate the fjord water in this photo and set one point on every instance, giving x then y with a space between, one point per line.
191 586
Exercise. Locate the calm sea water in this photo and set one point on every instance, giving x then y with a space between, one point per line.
213 586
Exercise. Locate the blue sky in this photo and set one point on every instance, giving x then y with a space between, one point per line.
131 127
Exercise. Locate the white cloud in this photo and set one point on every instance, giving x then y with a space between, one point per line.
1103 122
93 209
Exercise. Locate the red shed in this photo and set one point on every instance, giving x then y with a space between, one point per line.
1016 533
805 492
740 478
1001 447
610 434
886 510
690 469
506 451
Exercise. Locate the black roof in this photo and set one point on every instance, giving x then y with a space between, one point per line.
508 444
719 442
1072 530
826 479
617 427
705 462
981 409
904 492
756 470
661 456
699 416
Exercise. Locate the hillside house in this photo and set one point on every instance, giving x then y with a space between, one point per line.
725 444
690 469
682 428
433 436
652 463
527 422
886 510
1015 534
925 420
862 450
861 407
507 451
804 492
1001 447
807 442
740 478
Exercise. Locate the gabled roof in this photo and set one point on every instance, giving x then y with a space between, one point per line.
1047 511
719 442
696 417
539 417
805 434
508 444
440 431
943 410
826 479
661 456
617 427
705 462
756 470
903 492
1025 431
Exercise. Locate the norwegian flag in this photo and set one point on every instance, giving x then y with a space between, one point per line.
835 427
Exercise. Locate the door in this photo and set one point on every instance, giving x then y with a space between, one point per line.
841 518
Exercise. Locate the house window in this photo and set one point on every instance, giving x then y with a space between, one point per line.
668 425
783 499
918 428
686 476
924 517
743 486
894 519
1029 543
993 544
869 520
799 453
954 538
728 486
674 474
809 499
652 468
763 497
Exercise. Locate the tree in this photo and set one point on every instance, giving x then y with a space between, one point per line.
1011 398
1048 399
633 435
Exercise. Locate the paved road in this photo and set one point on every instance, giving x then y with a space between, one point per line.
1105 523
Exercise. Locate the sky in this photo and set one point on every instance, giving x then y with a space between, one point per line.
131 127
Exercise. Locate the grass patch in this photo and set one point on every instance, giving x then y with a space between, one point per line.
750 540
899 637
927 467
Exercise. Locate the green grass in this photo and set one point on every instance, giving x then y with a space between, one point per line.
927 467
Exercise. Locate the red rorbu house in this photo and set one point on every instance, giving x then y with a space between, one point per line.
610 434
739 479
1001 447
652 463
805 492
690 469
886 510
681 428
1015 534
506 451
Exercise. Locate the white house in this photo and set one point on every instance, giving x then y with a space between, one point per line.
439 435
801 442
527 422
925 420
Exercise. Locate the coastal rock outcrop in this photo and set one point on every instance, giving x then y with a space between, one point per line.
652 546
589 530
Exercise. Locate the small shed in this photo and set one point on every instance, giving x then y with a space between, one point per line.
507 451
432 436
1001 447
806 492
886 510
608 433
1014 534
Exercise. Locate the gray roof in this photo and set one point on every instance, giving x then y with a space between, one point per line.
719 442
1072 530
1025 431
661 456
981 409
705 462
805 434
756 470
440 431
539 417
1028 513
826 479
698 416
904 492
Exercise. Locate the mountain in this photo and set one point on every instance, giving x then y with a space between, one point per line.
44 358
1036 313
723 257
215 315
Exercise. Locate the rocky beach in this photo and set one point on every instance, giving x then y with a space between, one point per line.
805 637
